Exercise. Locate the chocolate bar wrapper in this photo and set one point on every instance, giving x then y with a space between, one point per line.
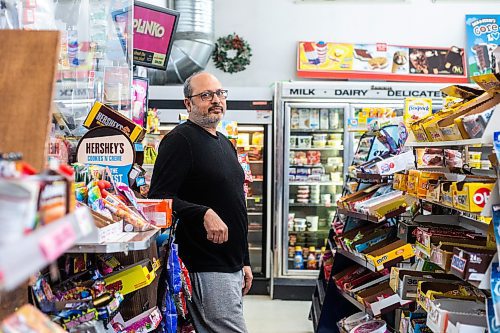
102 115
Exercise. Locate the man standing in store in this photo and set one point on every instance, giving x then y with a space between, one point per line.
198 168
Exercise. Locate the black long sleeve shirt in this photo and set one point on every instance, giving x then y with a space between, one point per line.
200 171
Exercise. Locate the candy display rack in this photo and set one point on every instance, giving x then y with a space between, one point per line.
452 242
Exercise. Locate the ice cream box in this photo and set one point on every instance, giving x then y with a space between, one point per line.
102 115
471 264
427 291
394 251
471 197
423 182
405 282
412 185
446 316
133 277
446 193
489 82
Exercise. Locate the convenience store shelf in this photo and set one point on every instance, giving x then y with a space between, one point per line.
256 162
352 300
312 205
376 177
468 142
298 130
255 213
321 291
370 218
471 218
319 148
316 183
356 259
135 241
22 258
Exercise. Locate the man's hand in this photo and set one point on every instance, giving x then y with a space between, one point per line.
216 229
247 279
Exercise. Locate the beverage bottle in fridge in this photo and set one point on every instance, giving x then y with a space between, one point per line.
311 259
321 255
334 119
298 260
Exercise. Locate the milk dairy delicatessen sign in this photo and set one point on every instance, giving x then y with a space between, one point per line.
361 90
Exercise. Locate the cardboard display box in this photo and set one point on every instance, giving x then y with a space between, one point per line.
405 282
471 264
399 250
445 315
427 291
133 277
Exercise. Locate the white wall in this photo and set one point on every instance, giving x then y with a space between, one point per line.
273 28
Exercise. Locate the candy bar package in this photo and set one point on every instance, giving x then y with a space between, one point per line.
475 124
102 115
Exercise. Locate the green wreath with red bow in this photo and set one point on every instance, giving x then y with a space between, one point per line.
232 54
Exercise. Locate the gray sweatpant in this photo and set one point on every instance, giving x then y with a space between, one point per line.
217 302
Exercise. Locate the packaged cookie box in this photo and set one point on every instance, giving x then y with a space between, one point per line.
471 264
133 277
452 128
423 182
471 197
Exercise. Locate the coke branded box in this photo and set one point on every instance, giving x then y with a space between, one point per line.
471 197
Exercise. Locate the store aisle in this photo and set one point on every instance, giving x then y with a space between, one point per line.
264 315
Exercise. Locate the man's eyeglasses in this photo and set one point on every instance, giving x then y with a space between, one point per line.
209 95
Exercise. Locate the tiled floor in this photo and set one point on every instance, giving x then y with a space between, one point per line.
264 315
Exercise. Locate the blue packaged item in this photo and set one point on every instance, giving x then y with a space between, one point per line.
495 290
496 224
496 144
493 325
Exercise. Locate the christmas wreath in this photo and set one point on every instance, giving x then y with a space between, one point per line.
232 53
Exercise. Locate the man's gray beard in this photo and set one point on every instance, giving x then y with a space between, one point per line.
210 121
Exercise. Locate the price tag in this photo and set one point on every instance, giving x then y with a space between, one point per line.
57 242
84 220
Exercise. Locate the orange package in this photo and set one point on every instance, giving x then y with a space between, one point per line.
158 211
